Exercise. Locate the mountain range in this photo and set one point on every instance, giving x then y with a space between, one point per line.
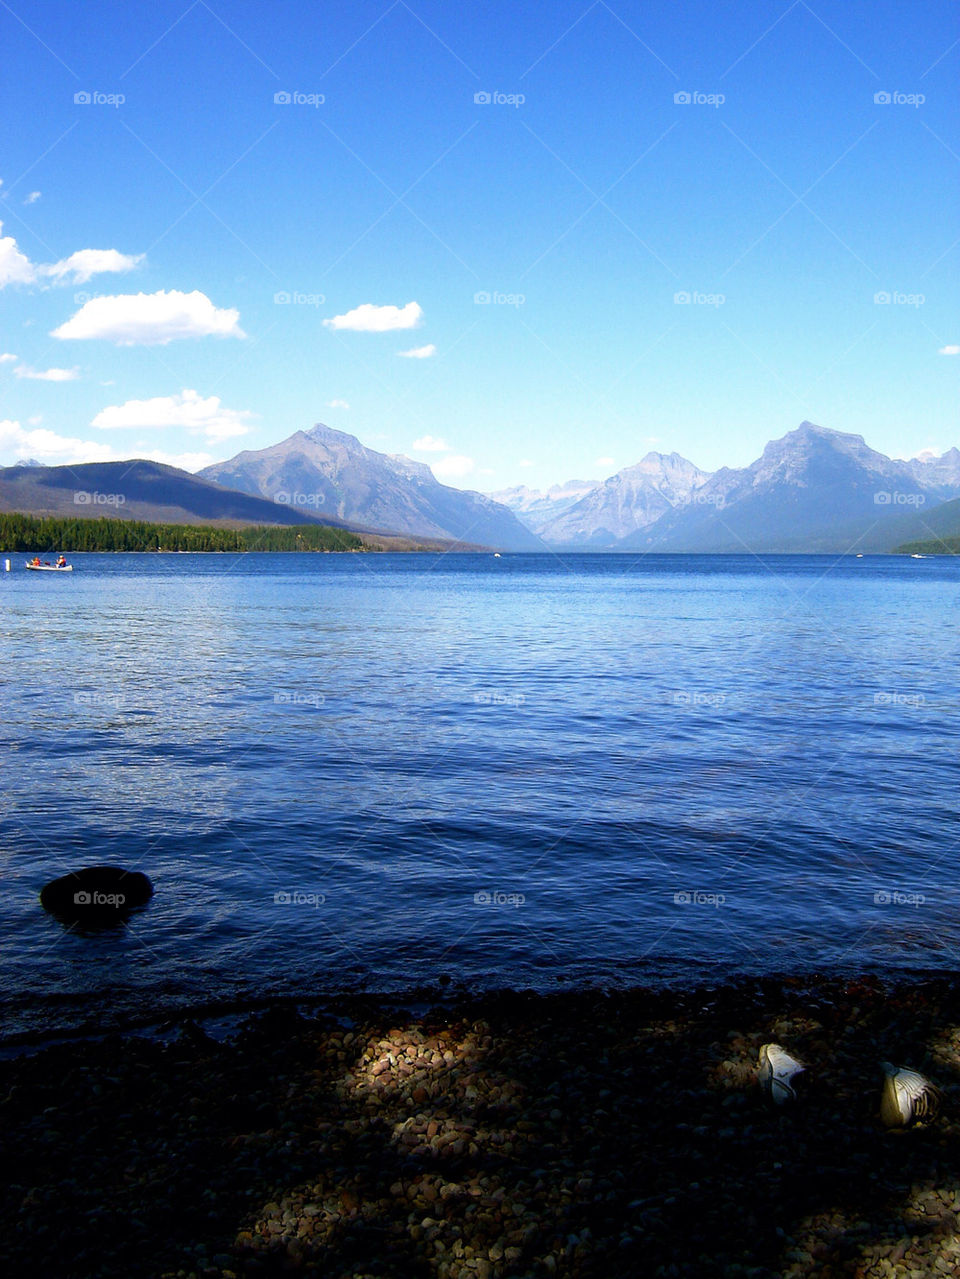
633 499
536 509
136 490
814 489
333 474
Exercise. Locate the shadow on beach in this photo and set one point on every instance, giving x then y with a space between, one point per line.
584 1134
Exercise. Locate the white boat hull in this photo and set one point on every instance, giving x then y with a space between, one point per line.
50 568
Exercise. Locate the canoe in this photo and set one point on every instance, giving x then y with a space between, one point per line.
50 568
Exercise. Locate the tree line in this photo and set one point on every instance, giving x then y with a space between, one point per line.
41 533
936 546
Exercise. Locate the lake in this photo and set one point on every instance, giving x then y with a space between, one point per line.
374 772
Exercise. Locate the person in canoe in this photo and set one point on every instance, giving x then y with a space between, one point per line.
61 561
36 561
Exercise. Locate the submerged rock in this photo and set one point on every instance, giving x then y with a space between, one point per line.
96 895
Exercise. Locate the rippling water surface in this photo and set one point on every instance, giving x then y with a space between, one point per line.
347 771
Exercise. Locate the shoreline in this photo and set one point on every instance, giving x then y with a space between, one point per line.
586 1133
445 994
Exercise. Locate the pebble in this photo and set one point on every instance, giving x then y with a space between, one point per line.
526 1136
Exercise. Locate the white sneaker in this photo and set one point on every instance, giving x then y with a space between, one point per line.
908 1097
775 1071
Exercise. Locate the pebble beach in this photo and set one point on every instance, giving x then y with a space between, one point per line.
589 1133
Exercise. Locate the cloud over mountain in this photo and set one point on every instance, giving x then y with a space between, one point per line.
187 409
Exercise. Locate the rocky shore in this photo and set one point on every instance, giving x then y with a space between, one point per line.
580 1134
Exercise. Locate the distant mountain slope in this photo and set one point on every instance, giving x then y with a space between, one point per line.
937 472
938 546
814 489
328 471
138 490
937 529
535 509
633 499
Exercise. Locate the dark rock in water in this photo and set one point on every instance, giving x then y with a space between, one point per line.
96 895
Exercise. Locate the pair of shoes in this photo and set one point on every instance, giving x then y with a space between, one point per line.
908 1098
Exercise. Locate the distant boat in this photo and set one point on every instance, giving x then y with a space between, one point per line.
918 557
496 555
50 568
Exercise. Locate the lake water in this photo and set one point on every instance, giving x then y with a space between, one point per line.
373 771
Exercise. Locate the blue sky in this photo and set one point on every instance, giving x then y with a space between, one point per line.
697 274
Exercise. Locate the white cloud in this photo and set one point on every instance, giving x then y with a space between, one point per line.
337 404
183 461
86 263
188 410
151 319
949 350
15 267
46 375
36 419
47 446
370 318
429 444
8 358
454 467
419 352
32 198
